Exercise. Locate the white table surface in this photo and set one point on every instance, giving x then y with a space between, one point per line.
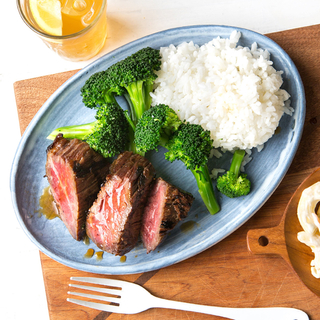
23 56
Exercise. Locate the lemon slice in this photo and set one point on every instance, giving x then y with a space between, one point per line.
47 14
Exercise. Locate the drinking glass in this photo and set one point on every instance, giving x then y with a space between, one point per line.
78 46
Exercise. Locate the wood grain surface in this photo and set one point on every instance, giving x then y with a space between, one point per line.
226 274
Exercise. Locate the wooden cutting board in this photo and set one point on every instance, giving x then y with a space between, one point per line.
226 274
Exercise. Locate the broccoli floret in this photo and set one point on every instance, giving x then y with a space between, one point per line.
108 134
233 183
136 74
100 89
155 127
149 61
192 145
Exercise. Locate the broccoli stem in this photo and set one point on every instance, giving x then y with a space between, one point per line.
109 97
163 140
131 124
74 131
137 100
132 145
236 162
132 129
148 87
206 188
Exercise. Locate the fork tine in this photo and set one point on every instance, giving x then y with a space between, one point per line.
107 282
93 296
94 305
115 292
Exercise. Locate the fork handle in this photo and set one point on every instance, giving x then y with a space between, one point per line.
275 313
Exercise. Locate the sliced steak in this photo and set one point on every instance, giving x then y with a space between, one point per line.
114 220
165 207
75 173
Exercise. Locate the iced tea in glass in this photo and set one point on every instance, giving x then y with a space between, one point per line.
75 29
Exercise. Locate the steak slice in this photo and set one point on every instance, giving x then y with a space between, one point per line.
114 220
165 207
75 173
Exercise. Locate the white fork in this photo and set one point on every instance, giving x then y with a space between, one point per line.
132 298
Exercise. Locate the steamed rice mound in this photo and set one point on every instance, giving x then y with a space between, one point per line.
232 91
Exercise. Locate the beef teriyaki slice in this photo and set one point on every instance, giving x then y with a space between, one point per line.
75 173
165 207
114 220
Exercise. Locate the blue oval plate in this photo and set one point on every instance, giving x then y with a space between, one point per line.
65 107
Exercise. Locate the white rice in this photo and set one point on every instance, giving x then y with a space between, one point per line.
232 91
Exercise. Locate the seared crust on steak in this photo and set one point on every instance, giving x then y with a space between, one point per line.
114 220
75 173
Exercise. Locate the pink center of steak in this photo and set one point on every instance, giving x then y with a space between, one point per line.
64 191
153 215
110 213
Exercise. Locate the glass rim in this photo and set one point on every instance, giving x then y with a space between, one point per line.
50 36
